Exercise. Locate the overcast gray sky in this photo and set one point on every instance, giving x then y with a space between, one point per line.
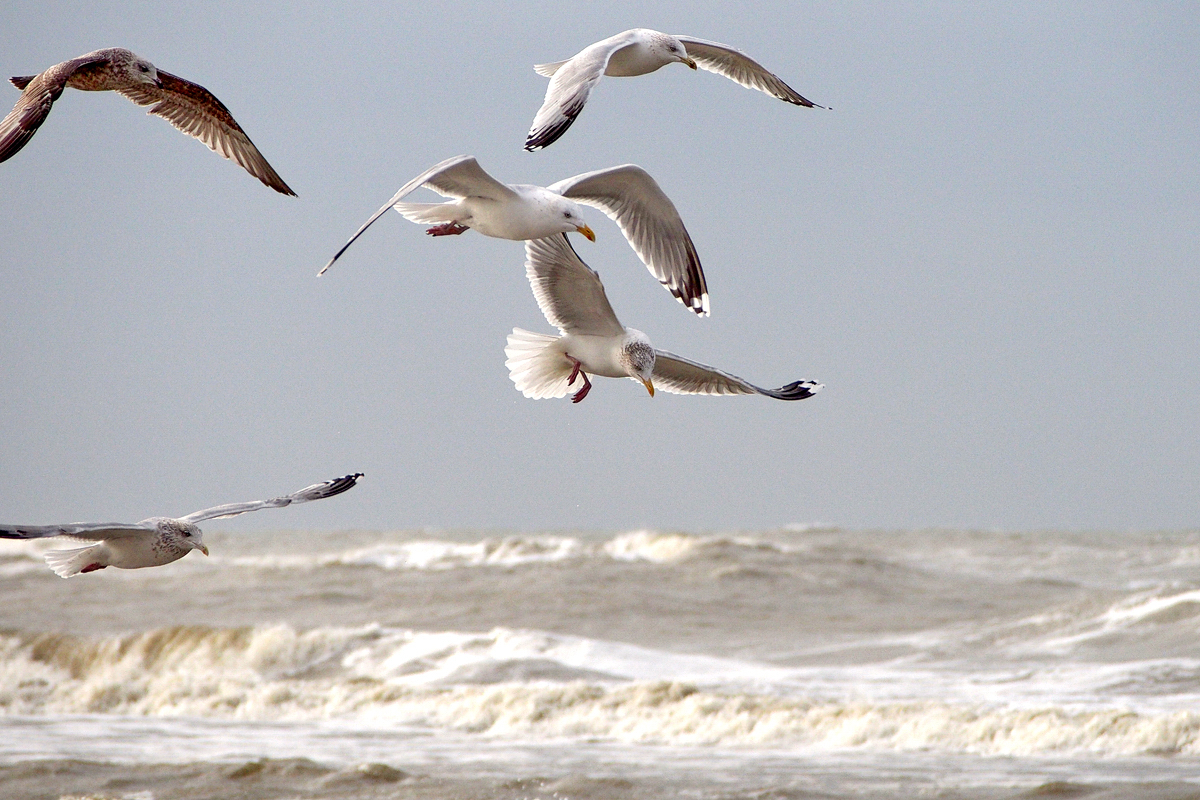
987 251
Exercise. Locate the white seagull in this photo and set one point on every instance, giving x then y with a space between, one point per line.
627 194
638 52
593 341
188 106
154 541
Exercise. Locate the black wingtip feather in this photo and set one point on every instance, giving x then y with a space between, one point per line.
548 135
339 485
799 390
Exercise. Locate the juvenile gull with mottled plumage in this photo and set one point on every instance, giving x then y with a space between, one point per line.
154 541
188 106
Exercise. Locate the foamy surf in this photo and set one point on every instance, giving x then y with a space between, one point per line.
837 659
539 686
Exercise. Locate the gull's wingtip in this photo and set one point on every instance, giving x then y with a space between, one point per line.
342 484
799 390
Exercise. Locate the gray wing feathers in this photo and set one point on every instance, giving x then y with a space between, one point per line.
458 177
318 491
197 112
568 291
741 68
92 531
461 177
679 375
571 82
651 223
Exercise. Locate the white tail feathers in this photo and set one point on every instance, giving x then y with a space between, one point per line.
536 367
427 213
548 70
66 563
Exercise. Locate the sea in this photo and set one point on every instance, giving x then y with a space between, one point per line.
804 662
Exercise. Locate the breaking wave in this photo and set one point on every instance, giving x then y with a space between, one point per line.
507 551
530 685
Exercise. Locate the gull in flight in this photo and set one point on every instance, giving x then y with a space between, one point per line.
188 106
154 541
627 194
638 52
592 341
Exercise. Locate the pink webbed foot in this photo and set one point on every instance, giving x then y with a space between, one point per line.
93 567
582 393
447 229
578 373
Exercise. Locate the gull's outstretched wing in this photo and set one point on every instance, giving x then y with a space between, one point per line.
568 291
33 106
740 68
571 83
318 491
679 375
651 223
457 177
197 112
92 531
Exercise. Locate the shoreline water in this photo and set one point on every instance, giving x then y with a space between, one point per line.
786 663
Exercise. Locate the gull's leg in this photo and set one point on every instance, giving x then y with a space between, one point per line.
582 393
447 229
578 373
93 567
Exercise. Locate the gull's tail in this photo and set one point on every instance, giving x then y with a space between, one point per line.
548 70
428 213
66 563
536 367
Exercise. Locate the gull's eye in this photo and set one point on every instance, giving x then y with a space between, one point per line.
143 68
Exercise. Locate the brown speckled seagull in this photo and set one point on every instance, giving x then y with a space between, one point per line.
154 541
188 106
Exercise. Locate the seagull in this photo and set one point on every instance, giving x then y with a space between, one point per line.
154 541
592 341
188 106
627 194
638 52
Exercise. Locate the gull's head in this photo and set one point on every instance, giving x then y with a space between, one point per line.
182 535
637 358
142 71
570 217
192 536
671 49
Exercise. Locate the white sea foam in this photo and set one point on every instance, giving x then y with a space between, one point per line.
1065 632
441 681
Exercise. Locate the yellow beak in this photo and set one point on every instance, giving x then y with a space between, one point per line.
649 387
690 63
202 549
586 231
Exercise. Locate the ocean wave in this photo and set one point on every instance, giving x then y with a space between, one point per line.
507 551
526 684
1160 613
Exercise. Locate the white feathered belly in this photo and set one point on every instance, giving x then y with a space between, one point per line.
599 354
518 220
